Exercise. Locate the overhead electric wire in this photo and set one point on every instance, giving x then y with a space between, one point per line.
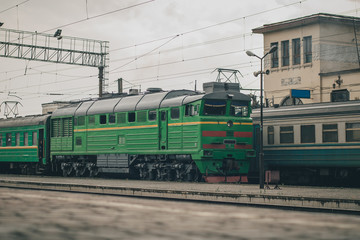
143 55
17 5
101 15
209 26
194 31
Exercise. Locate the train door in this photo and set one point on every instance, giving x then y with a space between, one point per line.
41 145
163 128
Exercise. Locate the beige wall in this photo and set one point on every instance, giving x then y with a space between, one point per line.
333 49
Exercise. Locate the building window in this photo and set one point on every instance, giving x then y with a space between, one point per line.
288 101
17 139
353 132
103 119
330 133
175 113
270 135
285 53
1 140
112 118
308 134
275 57
26 139
296 51
287 134
152 115
307 49
341 95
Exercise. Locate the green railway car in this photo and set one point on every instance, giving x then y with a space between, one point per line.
24 143
175 135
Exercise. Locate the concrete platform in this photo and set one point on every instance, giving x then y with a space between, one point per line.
337 199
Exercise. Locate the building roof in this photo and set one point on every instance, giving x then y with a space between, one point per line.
307 20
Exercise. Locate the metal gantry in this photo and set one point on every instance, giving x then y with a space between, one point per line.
57 49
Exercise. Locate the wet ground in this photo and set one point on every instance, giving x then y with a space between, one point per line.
33 214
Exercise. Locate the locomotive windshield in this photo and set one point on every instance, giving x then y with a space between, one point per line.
239 109
214 107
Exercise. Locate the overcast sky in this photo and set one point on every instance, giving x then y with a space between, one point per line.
160 43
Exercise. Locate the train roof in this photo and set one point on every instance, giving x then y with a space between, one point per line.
23 121
142 102
309 110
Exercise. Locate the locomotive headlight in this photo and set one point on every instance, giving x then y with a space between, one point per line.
230 123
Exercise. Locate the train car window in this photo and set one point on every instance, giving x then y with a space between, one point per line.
141 116
163 115
152 115
78 141
188 110
239 109
270 135
121 117
175 113
103 119
196 110
353 132
8 139
214 107
1 140
34 138
26 139
330 133
191 110
308 134
17 139
112 118
80 121
131 117
91 120
287 134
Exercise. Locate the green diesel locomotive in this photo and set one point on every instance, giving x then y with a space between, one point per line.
172 135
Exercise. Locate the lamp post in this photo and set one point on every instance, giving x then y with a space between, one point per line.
261 72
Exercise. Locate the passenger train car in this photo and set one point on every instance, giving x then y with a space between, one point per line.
173 135
312 143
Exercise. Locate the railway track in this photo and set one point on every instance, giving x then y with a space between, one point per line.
222 194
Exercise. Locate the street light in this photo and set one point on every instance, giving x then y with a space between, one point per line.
261 72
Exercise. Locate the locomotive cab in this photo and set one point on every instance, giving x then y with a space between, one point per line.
226 137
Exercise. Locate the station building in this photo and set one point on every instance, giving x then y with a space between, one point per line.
319 53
